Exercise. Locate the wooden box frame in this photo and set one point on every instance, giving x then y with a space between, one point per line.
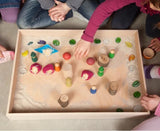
70 115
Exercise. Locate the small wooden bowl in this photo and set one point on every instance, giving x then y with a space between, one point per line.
148 53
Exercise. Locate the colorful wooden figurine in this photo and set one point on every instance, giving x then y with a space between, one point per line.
100 71
48 69
86 74
57 66
35 68
103 60
68 82
93 89
63 100
113 87
34 57
111 53
68 73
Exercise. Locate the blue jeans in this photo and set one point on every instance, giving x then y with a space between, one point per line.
33 16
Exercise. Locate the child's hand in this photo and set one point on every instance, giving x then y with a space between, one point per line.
155 44
82 49
1 55
2 49
58 13
150 102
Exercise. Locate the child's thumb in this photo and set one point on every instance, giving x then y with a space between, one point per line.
57 2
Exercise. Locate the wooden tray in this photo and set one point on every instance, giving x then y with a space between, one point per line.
36 96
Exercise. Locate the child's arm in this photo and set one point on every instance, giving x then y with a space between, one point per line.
102 12
151 103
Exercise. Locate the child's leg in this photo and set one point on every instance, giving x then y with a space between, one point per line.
88 7
33 16
9 14
123 18
150 124
151 28
152 71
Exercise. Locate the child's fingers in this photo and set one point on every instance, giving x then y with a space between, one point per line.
145 106
53 10
2 48
145 98
1 55
80 55
153 96
153 40
57 2
152 44
54 13
156 49
76 52
86 53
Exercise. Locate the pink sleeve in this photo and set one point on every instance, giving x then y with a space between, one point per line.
157 112
102 12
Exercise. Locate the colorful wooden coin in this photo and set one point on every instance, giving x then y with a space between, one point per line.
137 94
131 57
97 41
128 44
136 83
72 42
118 40
90 61
56 42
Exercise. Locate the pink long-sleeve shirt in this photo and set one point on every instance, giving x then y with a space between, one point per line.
157 112
105 9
